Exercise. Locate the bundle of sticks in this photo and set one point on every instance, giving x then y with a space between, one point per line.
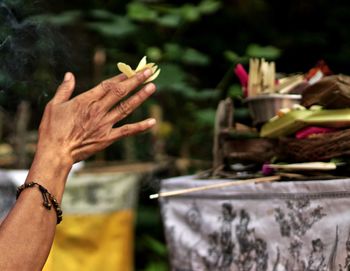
262 76
262 79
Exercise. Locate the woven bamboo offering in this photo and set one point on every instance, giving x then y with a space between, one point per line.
318 148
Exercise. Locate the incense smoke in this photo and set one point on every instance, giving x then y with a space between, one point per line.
32 53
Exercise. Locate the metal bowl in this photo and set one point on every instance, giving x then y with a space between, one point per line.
264 107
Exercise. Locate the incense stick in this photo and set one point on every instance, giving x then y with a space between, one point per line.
214 186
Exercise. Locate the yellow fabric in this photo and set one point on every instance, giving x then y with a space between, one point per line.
93 242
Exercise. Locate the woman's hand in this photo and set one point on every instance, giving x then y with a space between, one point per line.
74 129
70 130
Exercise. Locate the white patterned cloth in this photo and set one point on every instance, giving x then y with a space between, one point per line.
294 226
7 194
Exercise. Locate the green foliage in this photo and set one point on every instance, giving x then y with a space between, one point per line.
205 117
157 266
169 20
154 53
193 57
232 56
177 53
151 251
268 52
171 16
253 51
140 12
235 91
157 247
115 27
102 14
209 6
62 19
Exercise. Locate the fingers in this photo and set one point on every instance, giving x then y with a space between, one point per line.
115 91
91 148
98 92
131 129
65 90
123 109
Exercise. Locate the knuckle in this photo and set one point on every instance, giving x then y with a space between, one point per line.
124 108
140 77
119 91
143 75
106 85
116 89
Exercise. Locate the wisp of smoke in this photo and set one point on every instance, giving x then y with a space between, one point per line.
29 48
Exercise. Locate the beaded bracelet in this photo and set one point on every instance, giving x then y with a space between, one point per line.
49 200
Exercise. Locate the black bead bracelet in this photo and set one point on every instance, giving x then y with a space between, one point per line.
49 200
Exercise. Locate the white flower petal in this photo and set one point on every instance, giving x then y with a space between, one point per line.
149 65
142 64
154 76
154 69
126 69
129 72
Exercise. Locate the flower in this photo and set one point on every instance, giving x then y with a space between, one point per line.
129 72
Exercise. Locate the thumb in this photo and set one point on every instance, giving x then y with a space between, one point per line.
65 90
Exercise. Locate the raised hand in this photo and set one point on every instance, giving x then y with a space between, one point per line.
75 129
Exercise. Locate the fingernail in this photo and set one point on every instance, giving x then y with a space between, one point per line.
150 88
151 122
147 72
67 76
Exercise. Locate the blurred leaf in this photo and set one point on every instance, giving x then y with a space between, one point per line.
102 14
235 91
119 27
170 76
204 94
140 12
154 53
231 56
205 117
172 80
194 57
190 12
169 20
269 52
156 246
157 266
173 51
65 18
209 6
183 89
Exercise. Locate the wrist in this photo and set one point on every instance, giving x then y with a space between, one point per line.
58 157
51 170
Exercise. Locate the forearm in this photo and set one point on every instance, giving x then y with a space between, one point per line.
26 235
